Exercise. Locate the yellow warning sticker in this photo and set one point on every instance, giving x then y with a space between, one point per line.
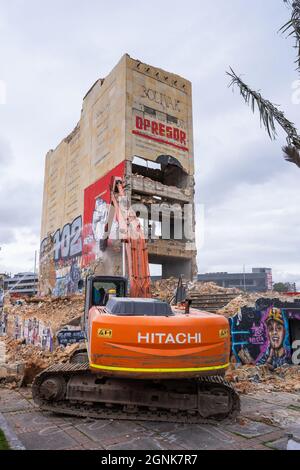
224 333
105 333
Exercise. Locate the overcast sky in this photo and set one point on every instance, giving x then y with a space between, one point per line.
51 52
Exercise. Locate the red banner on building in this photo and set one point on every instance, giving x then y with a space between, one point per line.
96 204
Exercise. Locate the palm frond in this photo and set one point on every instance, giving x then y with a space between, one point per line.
292 27
269 113
291 154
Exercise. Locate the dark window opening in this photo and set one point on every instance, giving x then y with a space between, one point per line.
169 174
172 119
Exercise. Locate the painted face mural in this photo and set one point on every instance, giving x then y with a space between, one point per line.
276 354
276 334
261 335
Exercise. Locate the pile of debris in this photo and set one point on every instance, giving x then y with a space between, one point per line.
55 312
250 379
165 289
23 362
249 300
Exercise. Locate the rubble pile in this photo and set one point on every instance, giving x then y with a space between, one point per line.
23 362
249 300
165 289
250 379
55 312
210 288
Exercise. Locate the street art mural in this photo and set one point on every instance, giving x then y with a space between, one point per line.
262 335
68 277
70 335
66 251
32 331
96 204
67 254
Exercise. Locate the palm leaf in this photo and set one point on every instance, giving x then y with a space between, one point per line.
291 154
293 26
269 113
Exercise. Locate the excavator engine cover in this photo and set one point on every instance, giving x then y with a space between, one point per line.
155 342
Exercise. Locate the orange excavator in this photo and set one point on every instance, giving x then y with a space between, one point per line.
144 359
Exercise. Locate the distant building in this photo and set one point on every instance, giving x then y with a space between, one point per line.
22 284
260 280
2 277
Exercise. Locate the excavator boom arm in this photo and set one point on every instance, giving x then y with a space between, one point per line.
132 234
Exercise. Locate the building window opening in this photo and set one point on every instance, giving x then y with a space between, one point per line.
165 171
155 271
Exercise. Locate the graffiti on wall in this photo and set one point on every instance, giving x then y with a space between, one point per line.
69 336
96 204
66 251
261 335
68 278
32 331
76 246
68 241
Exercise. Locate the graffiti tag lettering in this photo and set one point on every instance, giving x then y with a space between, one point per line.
68 242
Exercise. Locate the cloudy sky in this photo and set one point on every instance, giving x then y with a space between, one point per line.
51 52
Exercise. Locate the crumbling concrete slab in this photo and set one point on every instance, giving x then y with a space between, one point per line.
250 429
150 187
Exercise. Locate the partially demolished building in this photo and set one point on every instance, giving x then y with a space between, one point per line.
136 124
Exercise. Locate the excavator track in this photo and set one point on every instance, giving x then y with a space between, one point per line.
72 389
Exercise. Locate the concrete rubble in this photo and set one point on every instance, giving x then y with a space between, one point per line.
250 379
24 362
55 312
249 300
165 289
21 362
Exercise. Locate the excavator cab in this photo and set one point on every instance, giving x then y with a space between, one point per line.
100 289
